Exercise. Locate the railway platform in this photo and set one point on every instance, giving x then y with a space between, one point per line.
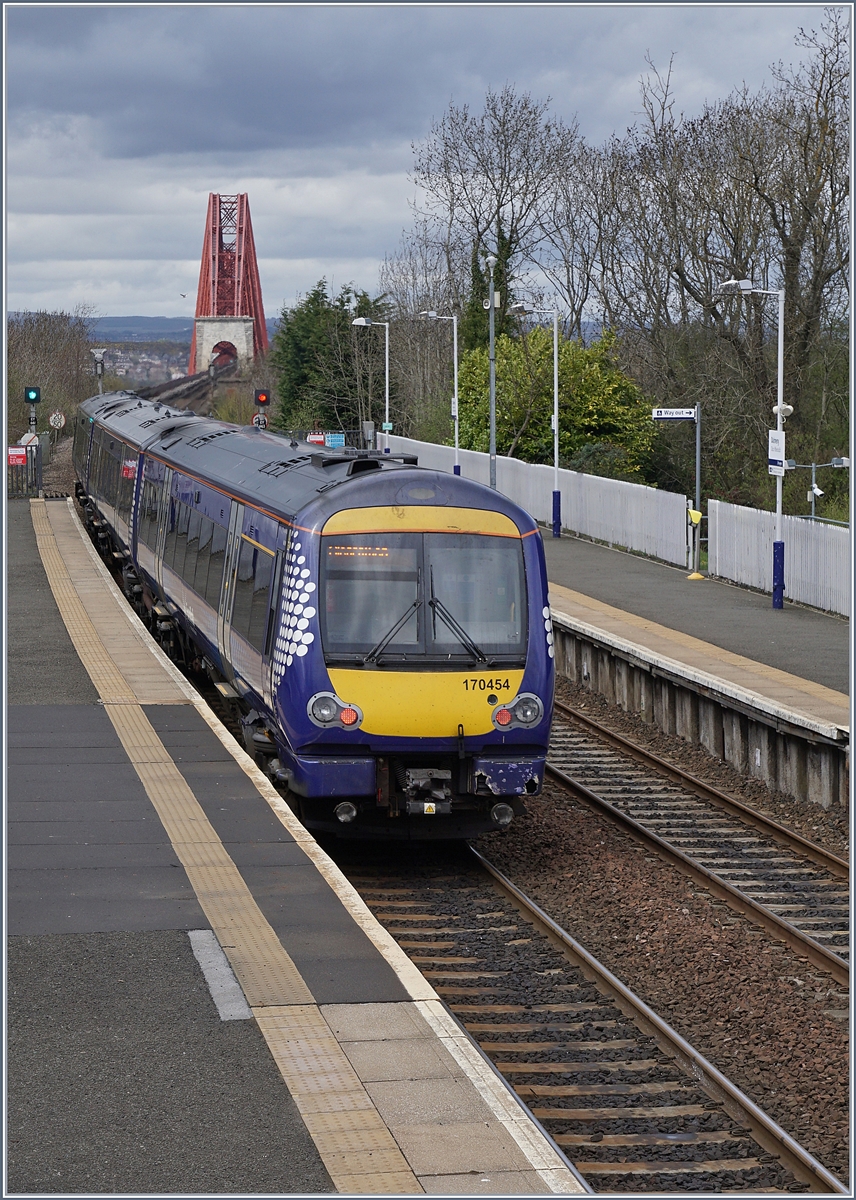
766 691
198 1001
801 642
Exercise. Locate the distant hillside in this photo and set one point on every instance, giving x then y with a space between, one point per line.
153 329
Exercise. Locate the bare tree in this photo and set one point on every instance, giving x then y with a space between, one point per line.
491 171
49 350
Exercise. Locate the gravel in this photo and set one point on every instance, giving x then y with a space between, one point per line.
829 828
767 1019
58 476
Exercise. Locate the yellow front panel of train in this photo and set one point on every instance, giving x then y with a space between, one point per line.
428 705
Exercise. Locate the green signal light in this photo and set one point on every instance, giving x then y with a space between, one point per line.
32 395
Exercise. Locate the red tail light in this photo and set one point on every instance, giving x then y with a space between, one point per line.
349 716
503 717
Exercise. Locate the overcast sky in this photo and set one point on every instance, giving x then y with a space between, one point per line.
121 120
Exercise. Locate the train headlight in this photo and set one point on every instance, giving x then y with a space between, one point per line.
524 711
528 710
324 708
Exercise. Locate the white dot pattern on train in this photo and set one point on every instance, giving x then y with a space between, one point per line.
296 633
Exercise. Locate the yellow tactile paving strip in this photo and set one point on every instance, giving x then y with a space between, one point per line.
788 695
313 1065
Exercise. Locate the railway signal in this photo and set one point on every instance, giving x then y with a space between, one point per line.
32 396
262 396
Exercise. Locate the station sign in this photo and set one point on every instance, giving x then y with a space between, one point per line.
334 440
387 426
17 456
776 452
673 414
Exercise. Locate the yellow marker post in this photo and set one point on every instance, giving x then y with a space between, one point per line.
695 517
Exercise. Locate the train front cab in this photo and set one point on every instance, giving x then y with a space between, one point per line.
418 690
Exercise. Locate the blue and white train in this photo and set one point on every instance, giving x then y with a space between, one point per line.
384 629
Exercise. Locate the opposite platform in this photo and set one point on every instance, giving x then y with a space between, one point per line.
799 641
135 817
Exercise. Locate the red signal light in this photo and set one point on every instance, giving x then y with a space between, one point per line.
262 397
349 716
502 716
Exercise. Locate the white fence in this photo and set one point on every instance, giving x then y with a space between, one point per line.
622 514
817 556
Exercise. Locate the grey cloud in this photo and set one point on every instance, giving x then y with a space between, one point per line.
241 79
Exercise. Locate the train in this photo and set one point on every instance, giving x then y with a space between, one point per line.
382 630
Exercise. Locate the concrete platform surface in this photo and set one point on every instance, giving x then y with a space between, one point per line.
799 641
135 821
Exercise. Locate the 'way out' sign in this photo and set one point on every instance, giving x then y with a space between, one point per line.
673 414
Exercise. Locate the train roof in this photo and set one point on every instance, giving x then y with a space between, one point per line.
275 472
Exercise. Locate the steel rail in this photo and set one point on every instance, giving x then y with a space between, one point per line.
816 953
823 858
737 1104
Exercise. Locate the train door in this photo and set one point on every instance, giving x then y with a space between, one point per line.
227 591
270 629
166 516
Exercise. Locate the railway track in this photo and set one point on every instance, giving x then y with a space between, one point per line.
793 888
627 1100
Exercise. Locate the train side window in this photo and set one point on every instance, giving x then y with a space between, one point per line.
203 554
188 571
260 599
127 479
182 523
95 470
215 566
109 475
148 516
171 532
242 604
273 603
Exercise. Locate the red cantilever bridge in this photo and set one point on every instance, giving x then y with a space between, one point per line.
229 330
230 318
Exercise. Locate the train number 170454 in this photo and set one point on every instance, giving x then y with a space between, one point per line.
480 684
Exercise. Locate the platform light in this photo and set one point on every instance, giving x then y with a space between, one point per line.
362 322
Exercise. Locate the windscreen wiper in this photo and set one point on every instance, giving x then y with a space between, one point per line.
375 653
439 609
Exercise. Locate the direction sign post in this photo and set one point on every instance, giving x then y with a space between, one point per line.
689 414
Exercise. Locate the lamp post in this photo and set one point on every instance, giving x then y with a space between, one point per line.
746 287
433 316
491 308
521 309
816 492
386 425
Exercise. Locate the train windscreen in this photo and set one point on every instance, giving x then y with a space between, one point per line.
458 598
